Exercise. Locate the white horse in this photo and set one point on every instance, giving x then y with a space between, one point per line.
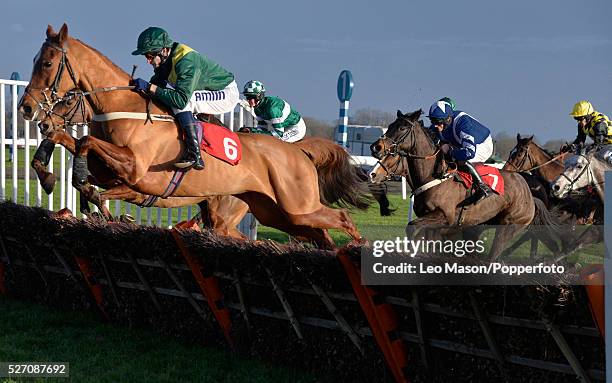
584 173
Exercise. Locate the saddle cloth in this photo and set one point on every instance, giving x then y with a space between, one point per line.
221 143
490 175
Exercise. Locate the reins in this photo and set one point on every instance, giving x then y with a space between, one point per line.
49 103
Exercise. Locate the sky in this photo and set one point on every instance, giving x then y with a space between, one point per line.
516 66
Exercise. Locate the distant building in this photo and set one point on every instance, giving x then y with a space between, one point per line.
360 137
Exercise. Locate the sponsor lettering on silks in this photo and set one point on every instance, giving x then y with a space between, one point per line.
209 95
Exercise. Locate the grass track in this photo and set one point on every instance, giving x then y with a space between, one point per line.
99 352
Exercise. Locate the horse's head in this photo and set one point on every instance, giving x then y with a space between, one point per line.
399 138
73 109
577 175
387 168
406 147
52 76
519 159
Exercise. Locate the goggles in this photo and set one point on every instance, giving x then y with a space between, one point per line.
151 55
437 121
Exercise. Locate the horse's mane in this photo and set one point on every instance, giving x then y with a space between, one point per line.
430 133
108 61
546 151
104 58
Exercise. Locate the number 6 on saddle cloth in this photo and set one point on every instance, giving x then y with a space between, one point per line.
220 143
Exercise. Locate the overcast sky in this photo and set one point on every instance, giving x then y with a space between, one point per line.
517 66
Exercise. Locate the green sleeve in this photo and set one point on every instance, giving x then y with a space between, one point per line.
187 78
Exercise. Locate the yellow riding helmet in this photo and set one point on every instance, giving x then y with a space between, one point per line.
582 108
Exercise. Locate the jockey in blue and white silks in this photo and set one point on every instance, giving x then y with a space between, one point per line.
464 139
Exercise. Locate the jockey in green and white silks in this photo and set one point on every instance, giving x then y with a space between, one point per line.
274 115
187 82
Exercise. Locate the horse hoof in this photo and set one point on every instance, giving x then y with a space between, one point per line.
357 243
48 182
126 218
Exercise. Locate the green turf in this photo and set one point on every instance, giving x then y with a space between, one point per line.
99 352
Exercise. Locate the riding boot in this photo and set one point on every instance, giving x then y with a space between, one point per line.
191 128
481 189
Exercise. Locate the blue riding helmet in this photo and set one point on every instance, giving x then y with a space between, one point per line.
440 110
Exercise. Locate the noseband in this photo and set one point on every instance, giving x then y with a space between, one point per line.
52 98
587 169
395 150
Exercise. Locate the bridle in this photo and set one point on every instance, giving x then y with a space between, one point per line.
51 97
395 150
591 177
527 156
396 144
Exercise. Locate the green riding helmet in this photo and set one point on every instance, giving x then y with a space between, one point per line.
255 89
152 39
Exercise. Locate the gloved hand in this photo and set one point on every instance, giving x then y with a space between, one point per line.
567 147
140 85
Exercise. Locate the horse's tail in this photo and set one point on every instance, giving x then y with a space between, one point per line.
546 226
544 217
338 179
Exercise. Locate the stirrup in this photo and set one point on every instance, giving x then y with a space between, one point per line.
184 164
190 161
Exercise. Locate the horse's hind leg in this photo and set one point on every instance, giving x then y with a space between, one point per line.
328 218
503 234
268 213
222 214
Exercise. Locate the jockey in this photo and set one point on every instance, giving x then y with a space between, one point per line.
465 139
274 115
595 125
187 82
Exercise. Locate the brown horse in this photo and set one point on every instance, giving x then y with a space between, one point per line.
407 149
527 156
279 181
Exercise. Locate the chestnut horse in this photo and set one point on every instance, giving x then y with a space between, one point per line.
222 214
279 181
407 149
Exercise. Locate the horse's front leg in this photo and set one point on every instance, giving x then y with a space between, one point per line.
119 159
431 220
41 159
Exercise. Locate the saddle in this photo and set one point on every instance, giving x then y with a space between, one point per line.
490 175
